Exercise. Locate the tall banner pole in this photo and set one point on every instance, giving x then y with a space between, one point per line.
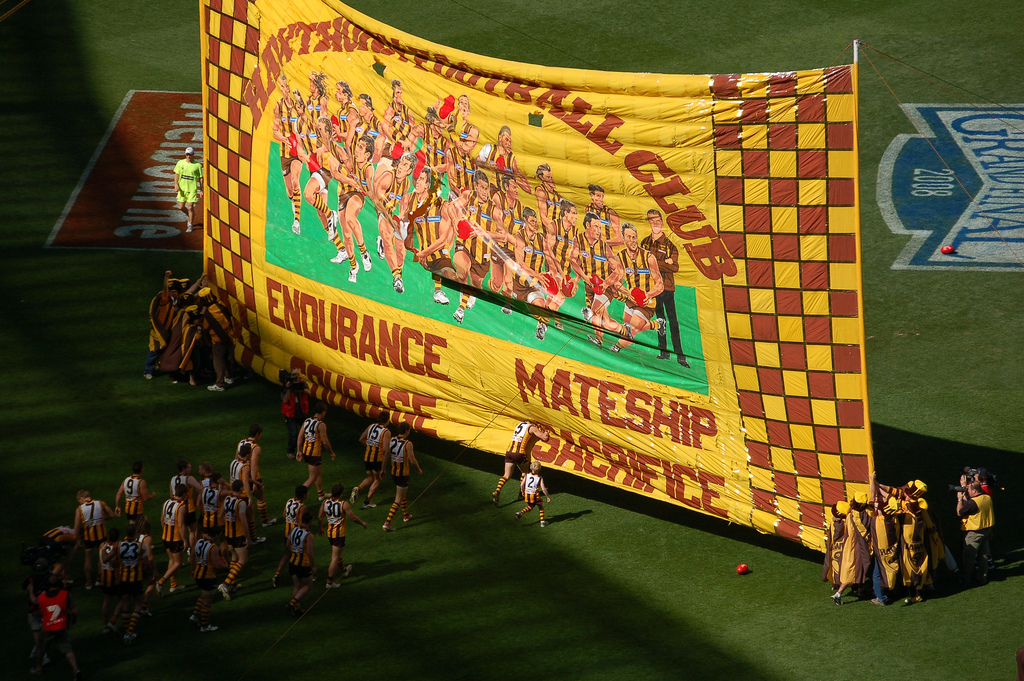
860 257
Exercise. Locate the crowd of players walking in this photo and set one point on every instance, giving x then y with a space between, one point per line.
209 522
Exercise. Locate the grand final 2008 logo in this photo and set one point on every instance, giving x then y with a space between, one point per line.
972 198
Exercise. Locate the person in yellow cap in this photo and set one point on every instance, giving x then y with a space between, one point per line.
914 563
188 180
855 562
835 536
161 314
217 326
885 544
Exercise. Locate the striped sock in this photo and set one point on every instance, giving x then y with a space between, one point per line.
161 581
464 300
199 606
352 261
529 507
297 202
541 513
405 507
338 242
437 283
252 529
134 622
320 204
233 571
501 483
174 582
362 248
396 271
293 604
392 512
204 613
261 506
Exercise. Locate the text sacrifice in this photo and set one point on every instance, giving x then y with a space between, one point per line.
644 472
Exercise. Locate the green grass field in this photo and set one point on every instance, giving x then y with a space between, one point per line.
618 587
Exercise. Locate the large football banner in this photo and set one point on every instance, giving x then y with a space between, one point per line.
664 270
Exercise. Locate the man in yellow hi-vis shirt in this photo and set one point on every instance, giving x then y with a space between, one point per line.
976 519
188 180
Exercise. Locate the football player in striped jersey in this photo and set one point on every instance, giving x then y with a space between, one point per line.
377 440
206 561
301 562
90 530
293 510
524 437
402 458
336 511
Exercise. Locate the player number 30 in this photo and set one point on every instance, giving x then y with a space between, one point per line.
932 182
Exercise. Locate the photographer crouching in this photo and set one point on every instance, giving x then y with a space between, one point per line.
974 506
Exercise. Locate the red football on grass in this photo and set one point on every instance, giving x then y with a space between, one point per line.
948 250
742 569
465 229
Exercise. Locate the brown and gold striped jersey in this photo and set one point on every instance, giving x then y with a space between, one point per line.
297 544
234 517
375 437
312 444
169 519
91 517
129 553
211 501
399 461
203 568
293 510
334 511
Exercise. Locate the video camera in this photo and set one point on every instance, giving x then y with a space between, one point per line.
974 475
289 382
51 552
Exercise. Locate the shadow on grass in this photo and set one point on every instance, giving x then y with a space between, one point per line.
899 455
568 517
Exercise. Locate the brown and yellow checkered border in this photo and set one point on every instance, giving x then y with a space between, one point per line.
230 43
793 312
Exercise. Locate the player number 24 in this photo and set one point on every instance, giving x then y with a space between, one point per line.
932 182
